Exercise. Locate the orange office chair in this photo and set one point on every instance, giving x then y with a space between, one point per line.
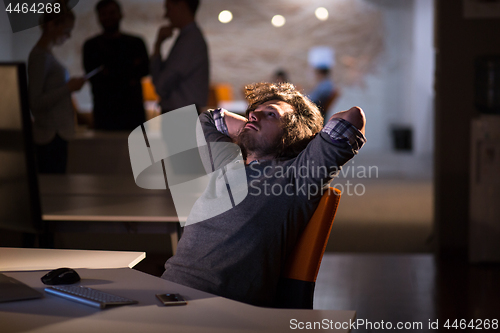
219 92
296 285
148 89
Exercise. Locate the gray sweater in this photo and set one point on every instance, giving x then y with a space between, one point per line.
240 253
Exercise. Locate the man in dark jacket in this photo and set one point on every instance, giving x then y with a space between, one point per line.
117 89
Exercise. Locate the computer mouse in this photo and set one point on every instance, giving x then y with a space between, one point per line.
61 276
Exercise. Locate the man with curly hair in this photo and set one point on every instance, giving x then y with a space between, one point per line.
288 159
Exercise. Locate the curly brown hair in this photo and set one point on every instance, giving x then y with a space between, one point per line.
299 127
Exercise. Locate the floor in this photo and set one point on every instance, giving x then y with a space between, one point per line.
392 216
408 288
386 205
379 259
412 289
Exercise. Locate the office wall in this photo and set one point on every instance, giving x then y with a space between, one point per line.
249 49
421 83
400 91
391 69
5 36
458 42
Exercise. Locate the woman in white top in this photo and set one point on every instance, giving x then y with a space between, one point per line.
50 93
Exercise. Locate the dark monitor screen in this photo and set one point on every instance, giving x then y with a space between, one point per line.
19 200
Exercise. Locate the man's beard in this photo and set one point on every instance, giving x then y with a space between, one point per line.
252 144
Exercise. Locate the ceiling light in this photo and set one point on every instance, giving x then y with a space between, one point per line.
278 20
321 13
225 16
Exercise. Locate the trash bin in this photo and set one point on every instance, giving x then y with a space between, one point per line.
402 138
487 84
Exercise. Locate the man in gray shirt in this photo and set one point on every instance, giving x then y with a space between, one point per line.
288 159
183 77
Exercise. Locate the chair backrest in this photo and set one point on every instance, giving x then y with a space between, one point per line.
296 286
219 92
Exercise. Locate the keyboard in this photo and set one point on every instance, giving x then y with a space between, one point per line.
89 296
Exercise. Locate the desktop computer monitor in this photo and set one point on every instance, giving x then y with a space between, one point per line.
19 198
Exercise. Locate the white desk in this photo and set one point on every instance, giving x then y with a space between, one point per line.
98 203
204 312
21 259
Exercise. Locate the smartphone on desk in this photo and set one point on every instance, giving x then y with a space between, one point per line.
171 299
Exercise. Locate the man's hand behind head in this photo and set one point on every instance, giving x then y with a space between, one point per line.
355 116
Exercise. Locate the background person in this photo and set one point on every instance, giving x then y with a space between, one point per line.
183 77
50 93
117 90
324 89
